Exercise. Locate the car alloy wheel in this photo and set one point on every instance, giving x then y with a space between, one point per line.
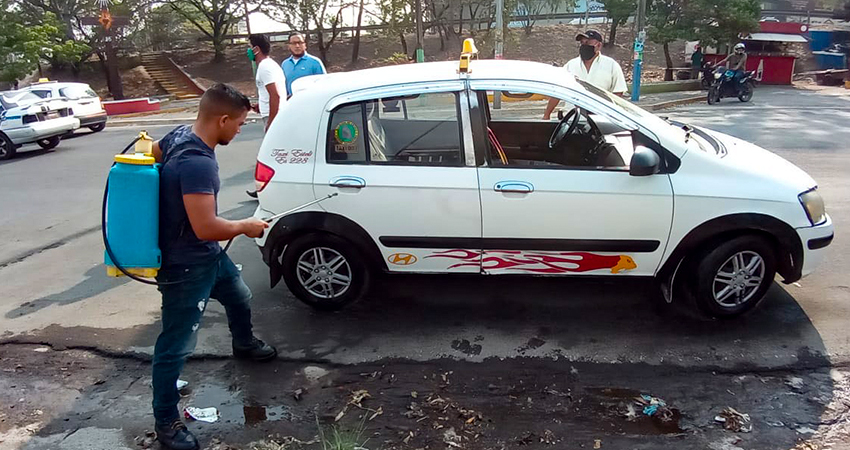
324 272
738 279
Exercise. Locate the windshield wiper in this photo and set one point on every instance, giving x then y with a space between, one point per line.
688 129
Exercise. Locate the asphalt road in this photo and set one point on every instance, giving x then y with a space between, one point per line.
53 287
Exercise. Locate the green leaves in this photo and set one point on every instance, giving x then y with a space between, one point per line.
710 21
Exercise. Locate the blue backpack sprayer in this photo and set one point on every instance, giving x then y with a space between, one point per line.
130 214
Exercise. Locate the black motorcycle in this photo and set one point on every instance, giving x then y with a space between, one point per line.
707 70
725 85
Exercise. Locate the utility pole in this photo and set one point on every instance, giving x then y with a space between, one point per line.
640 38
500 28
420 51
247 20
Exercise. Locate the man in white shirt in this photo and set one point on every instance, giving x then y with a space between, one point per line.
270 79
593 67
270 83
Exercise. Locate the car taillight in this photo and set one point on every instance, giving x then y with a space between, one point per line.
262 175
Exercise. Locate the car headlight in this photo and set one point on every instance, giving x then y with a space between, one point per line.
813 204
717 75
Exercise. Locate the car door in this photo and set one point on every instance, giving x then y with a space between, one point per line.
561 218
403 165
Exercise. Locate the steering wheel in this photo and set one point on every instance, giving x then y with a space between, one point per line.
565 127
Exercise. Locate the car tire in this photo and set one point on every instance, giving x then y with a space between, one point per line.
731 277
49 143
315 255
97 127
7 148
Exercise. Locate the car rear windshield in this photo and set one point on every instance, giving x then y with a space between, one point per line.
13 99
75 92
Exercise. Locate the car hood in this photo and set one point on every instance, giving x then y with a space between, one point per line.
758 163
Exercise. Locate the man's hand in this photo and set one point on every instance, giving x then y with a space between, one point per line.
253 227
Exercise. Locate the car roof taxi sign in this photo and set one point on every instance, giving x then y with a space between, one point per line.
469 51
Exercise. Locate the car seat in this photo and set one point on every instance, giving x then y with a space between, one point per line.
377 135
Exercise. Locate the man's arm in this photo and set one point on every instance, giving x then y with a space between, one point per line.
157 151
723 61
322 69
741 63
209 227
619 87
274 103
553 103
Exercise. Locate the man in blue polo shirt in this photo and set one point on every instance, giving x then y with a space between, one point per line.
301 63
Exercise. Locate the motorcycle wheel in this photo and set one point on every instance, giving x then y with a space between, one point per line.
713 95
746 92
705 83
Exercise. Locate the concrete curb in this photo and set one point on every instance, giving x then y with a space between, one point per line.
672 103
154 113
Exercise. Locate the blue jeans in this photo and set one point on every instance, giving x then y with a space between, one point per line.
183 305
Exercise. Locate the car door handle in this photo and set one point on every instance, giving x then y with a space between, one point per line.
348 182
516 187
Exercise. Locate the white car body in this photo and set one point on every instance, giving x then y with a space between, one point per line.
86 103
25 119
479 217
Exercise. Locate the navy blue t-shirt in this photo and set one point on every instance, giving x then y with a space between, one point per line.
188 167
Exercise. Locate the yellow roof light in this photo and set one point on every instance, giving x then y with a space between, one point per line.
469 51
43 80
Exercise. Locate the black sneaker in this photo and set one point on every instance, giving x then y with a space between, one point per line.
252 194
257 351
176 436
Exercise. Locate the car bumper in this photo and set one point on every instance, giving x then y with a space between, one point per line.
815 240
92 119
43 130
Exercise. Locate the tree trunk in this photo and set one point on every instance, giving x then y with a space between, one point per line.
323 49
117 88
355 51
612 35
668 73
403 43
441 30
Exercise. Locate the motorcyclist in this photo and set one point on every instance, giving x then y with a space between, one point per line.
737 62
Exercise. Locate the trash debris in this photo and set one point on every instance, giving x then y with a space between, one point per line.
806 430
41 349
145 441
548 438
414 394
414 411
181 384
408 437
359 396
208 415
734 421
777 423
631 413
377 413
654 406
597 444
239 267
451 438
297 394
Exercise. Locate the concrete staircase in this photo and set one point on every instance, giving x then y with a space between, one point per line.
167 75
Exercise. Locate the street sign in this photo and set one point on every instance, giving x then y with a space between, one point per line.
117 21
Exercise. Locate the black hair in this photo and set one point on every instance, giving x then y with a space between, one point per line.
260 40
223 99
295 34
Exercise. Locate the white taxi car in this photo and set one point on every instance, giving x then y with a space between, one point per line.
432 177
85 101
26 118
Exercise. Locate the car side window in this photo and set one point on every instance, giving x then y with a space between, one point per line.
43 94
519 137
422 129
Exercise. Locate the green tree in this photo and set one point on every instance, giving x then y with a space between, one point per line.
668 21
725 20
397 18
618 12
214 18
23 44
527 9
323 16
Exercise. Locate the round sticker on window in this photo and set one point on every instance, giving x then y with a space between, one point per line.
346 132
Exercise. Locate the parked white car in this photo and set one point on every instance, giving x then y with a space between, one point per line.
432 178
26 118
84 100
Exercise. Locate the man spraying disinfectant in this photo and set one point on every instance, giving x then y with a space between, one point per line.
189 233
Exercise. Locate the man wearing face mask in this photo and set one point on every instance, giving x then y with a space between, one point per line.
271 83
593 67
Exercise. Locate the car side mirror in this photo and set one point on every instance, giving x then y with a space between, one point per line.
645 161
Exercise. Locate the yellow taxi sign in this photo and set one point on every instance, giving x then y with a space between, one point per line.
43 80
469 51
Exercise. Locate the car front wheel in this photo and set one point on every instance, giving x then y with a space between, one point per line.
325 271
733 277
7 147
49 143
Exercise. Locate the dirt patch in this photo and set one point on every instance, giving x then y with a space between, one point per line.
137 82
516 403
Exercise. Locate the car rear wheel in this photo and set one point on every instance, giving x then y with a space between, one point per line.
733 277
325 271
49 143
97 127
7 147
